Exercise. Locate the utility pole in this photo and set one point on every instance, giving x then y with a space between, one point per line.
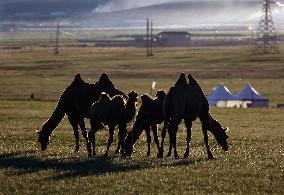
266 39
56 49
149 38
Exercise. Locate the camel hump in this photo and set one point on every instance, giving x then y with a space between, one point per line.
118 99
181 80
77 80
104 98
104 80
192 80
146 99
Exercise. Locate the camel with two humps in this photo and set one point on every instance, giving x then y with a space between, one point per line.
75 102
186 101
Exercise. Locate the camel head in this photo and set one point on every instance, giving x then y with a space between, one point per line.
43 139
161 95
128 144
133 95
219 133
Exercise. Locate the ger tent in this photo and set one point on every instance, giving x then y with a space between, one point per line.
251 98
222 97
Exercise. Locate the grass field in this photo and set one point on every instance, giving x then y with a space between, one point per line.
254 163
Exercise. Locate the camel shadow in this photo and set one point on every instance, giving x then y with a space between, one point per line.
79 168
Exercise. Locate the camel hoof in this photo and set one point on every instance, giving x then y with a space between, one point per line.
159 155
211 158
169 154
76 149
186 155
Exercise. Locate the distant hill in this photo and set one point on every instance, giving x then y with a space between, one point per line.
45 9
178 14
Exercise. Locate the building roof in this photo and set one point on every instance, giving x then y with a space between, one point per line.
174 33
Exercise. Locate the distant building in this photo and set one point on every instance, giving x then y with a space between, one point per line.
173 39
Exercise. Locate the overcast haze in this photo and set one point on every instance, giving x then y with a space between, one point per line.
132 13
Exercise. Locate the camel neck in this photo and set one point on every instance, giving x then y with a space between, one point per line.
130 109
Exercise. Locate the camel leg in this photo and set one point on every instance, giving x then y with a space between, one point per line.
148 140
92 138
110 139
174 128
155 134
188 124
161 150
122 133
210 155
171 134
118 144
85 134
74 123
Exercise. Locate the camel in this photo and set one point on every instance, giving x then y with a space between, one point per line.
76 102
188 102
112 112
150 114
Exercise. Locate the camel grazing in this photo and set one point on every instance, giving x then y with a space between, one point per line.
76 102
150 114
112 112
187 101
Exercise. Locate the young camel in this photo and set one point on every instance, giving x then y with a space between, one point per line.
150 114
112 112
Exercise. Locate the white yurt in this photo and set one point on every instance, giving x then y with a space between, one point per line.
251 98
222 97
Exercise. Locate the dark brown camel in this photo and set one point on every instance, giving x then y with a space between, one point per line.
150 114
76 102
112 112
187 101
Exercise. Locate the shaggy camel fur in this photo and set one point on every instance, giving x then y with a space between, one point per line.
150 114
112 112
187 101
76 102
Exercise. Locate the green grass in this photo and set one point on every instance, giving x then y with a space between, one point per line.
254 163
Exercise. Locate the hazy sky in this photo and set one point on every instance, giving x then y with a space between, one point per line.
115 5
102 12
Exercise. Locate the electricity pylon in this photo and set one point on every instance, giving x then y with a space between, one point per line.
266 39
